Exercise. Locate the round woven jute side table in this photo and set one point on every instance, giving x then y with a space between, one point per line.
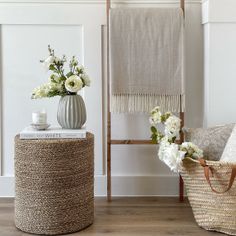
54 185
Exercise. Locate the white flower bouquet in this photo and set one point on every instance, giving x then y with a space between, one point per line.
171 153
61 84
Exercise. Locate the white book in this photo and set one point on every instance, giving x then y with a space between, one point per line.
52 133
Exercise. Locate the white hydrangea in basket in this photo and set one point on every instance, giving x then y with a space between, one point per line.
170 152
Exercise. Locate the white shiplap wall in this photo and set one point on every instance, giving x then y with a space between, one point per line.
78 27
219 23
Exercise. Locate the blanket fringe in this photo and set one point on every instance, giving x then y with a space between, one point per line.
139 103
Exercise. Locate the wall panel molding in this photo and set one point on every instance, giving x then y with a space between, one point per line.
98 2
148 176
220 11
46 16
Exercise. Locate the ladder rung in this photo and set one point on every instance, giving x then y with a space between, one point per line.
131 141
134 141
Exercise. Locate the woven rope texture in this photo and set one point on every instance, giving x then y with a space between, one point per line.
54 188
212 211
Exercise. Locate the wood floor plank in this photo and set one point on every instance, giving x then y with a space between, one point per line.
126 216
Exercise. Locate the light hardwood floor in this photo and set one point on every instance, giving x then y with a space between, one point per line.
124 217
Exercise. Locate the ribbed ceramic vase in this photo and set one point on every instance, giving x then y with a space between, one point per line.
71 112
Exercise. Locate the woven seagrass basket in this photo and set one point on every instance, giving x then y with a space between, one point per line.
54 185
211 192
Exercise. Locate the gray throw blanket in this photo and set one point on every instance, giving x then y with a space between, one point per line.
146 59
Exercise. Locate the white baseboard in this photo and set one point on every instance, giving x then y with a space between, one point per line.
138 185
121 186
99 1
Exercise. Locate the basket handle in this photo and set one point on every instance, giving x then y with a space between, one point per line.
207 171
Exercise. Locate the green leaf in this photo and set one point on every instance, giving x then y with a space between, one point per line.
154 141
153 129
69 74
154 138
63 78
163 118
52 67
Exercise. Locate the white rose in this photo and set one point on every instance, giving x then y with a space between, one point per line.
73 84
172 126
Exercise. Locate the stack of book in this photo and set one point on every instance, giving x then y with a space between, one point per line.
52 133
